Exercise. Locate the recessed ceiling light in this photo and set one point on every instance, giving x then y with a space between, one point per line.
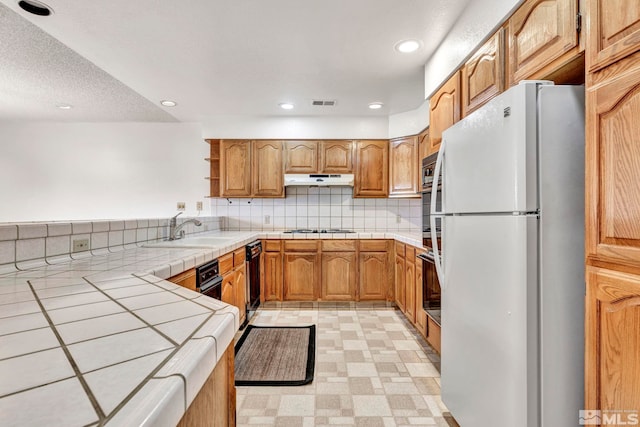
376 105
35 7
65 106
407 46
168 103
286 106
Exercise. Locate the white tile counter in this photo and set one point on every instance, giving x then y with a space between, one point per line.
104 339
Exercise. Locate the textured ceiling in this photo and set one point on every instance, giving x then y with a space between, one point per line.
37 73
215 57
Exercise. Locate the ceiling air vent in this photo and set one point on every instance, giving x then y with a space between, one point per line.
323 103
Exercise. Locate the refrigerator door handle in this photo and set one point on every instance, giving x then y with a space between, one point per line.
432 216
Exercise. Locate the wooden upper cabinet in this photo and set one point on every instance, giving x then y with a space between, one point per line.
403 167
483 74
235 168
444 110
423 148
372 169
612 357
543 35
336 157
614 31
301 157
268 180
613 170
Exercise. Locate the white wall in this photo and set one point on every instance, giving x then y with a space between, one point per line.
409 123
79 171
477 21
279 127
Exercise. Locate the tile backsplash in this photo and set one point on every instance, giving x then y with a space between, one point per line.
319 207
23 245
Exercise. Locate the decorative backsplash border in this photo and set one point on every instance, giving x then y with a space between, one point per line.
32 244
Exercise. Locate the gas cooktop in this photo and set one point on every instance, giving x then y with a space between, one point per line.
324 230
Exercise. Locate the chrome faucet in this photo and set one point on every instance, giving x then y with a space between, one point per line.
175 231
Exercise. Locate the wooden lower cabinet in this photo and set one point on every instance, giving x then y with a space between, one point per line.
240 291
612 359
186 279
421 315
373 281
338 276
410 289
400 285
215 403
228 294
271 272
432 334
300 272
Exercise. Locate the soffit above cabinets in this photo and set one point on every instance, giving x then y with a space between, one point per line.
118 59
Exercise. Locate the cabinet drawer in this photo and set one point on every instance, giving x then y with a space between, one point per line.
338 245
271 245
239 256
225 263
374 245
300 245
400 249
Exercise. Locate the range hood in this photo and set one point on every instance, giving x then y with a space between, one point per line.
319 180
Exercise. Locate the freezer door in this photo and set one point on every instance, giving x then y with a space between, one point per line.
490 156
489 321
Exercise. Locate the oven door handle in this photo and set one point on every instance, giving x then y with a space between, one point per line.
215 281
426 257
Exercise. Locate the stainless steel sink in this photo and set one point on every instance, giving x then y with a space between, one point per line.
192 242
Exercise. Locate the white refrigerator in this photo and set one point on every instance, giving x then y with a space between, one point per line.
511 265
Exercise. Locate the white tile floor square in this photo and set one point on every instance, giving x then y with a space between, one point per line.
372 369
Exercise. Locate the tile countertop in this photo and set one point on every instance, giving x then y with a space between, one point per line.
104 339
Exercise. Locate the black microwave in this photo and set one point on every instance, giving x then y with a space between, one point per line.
428 171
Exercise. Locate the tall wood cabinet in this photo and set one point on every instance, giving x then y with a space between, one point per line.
251 168
612 354
403 167
372 169
444 110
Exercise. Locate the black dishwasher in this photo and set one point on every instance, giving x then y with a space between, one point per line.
254 250
208 280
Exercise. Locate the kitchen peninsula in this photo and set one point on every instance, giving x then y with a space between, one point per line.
101 337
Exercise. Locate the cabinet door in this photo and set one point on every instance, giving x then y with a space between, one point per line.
301 157
612 346
336 157
271 276
300 276
541 32
613 170
228 294
483 74
403 167
240 291
374 272
421 315
372 169
423 147
268 179
410 293
338 276
444 110
235 168
186 279
613 31
400 287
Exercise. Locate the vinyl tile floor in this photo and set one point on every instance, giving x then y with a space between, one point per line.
372 369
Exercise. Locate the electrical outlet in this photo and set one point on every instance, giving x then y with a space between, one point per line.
198 206
181 206
267 219
80 245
